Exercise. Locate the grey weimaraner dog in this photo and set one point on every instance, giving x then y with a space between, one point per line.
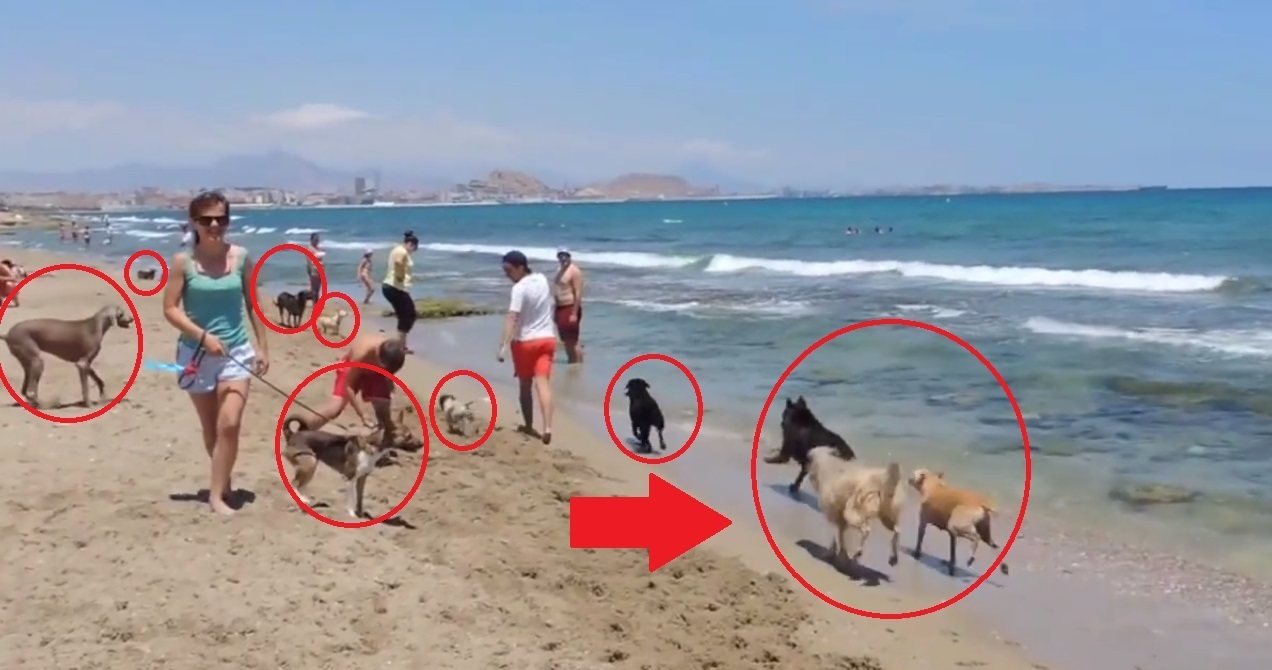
76 342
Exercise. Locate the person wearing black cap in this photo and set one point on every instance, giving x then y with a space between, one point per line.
530 331
397 284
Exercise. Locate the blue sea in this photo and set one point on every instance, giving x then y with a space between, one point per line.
1135 330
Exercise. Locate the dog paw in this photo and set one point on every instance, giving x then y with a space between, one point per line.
892 560
916 554
793 490
971 560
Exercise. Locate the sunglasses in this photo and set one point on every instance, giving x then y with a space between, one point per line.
222 220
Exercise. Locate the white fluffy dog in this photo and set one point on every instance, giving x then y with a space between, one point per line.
850 495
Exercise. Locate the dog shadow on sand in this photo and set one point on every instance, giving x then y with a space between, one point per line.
855 571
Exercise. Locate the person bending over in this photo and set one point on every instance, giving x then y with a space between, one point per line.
381 351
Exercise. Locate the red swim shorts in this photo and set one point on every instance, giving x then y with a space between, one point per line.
533 358
371 386
568 331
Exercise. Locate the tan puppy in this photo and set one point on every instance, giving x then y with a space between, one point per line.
959 512
850 495
330 324
355 457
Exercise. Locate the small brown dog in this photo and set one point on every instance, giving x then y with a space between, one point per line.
146 274
959 512
355 457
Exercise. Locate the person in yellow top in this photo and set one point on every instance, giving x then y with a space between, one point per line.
397 285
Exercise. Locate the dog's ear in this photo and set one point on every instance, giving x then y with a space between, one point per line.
789 403
800 402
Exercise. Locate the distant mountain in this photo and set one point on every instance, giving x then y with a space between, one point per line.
708 176
277 169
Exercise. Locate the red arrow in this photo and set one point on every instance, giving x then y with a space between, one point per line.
668 522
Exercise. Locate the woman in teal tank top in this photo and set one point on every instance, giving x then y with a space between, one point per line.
208 303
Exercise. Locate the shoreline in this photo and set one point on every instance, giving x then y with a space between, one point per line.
486 570
1153 593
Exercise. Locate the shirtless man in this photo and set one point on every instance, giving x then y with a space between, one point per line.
567 288
381 351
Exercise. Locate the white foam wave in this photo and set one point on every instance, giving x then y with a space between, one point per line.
147 234
936 311
1024 277
759 308
631 259
303 231
249 230
1228 342
1157 282
366 244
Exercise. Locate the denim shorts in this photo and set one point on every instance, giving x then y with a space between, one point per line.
213 369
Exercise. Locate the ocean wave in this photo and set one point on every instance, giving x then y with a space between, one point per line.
147 234
1155 282
359 246
249 230
303 231
694 307
1227 342
1021 277
937 312
631 259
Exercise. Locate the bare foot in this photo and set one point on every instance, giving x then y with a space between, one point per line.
220 506
547 437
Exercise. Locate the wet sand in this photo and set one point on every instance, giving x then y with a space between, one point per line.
1077 598
113 561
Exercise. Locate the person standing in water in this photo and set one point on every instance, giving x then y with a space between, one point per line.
315 281
208 303
567 288
397 285
364 275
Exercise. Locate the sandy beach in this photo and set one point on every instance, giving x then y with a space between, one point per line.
112 561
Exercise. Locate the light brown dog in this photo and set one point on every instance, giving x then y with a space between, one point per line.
355 457
959 512
851 495
76 342
330 324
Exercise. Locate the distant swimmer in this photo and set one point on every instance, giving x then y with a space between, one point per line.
185 234
852 230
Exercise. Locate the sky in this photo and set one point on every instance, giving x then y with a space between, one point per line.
813 93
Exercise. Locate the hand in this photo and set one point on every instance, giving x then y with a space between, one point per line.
213 346
499 355
574 318
262 363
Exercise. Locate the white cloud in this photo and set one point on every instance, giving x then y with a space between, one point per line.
52 134
315 115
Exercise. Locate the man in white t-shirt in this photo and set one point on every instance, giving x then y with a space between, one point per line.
530 329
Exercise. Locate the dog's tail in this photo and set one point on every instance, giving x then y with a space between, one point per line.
288 431
888 495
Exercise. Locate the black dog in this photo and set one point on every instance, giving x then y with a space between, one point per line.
291 308
146 274
645 414
801 431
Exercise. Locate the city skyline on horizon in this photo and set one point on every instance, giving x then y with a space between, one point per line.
817 94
